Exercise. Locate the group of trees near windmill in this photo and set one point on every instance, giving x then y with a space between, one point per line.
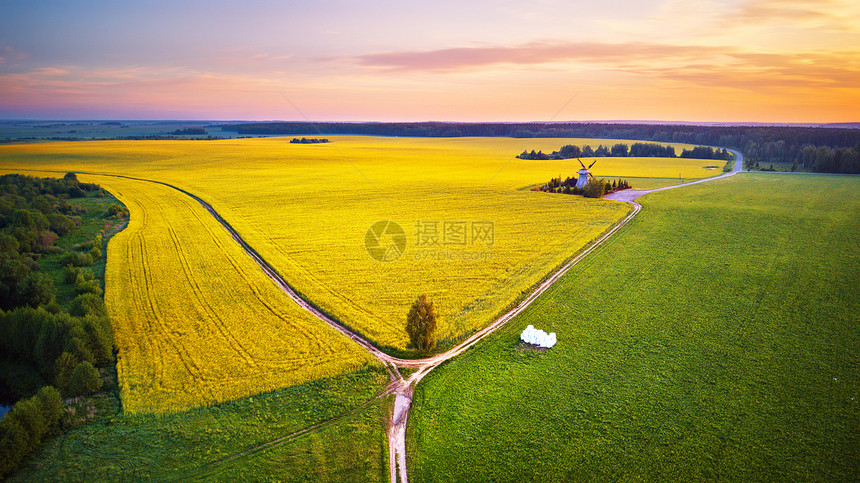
762 144
594 188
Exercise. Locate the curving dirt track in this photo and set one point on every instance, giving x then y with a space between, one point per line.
631 195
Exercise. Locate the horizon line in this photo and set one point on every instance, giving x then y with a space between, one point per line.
590 121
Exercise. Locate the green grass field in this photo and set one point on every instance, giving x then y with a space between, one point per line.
94 221
716 337
352 449
325 430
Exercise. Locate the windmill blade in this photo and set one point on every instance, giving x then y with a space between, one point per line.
592 164
580 162
591 175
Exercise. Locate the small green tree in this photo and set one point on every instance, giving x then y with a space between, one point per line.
36 289
14 440
86 283
88 304
63 367
421 324
117 210
84 380
595 188
24 426
99 338
51 404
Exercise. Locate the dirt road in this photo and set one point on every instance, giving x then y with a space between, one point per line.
631 195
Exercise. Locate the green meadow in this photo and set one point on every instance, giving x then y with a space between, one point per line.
716 337
330 429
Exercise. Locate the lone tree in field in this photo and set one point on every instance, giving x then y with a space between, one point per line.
421 324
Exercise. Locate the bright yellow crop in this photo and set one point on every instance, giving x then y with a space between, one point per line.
307 210
196 321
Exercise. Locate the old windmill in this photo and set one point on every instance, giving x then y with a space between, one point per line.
584 174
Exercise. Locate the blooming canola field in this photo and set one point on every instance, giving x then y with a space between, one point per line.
467 230
196 321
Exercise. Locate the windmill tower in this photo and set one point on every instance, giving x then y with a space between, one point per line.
584 174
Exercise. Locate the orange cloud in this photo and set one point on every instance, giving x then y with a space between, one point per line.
465 58
703 65
756 10
754 71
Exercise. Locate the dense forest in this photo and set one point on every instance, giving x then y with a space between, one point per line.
642 150
759 144
48 349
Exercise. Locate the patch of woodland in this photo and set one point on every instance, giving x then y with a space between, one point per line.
49 352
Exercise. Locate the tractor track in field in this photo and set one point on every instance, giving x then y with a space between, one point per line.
403 387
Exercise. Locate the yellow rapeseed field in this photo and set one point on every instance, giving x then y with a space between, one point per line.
196 321
473 236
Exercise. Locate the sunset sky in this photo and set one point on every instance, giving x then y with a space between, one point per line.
747 60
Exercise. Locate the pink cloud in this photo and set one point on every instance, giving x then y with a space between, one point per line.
701 65
51 72
763 10
464 58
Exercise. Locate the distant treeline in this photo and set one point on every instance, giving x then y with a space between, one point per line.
190 131
156 137
762 144
309 140
642 150
821 159
137 137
